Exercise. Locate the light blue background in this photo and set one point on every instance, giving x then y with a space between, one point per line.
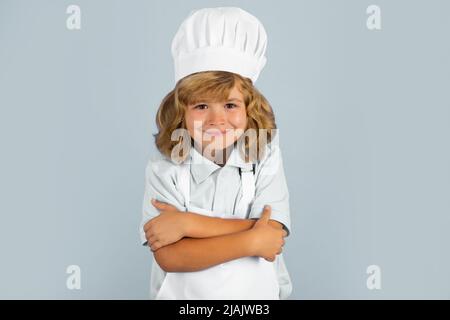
364 121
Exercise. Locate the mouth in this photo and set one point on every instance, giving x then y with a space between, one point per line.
215 132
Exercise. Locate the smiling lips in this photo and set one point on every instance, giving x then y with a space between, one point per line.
215 132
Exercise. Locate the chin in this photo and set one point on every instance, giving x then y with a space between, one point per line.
216 146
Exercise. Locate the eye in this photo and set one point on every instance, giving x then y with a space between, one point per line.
201 106
230 106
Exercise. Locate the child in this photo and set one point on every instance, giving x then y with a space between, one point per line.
216 205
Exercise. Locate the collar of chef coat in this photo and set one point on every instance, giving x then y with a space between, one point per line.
202 167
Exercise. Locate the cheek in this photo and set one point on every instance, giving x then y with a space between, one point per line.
239 119
192 119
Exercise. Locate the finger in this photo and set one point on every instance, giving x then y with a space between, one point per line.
265 216
159 205
151 239
150 233
155 246
147 226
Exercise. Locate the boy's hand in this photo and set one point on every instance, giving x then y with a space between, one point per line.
165 229
268 240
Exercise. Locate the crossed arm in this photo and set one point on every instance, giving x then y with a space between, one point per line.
186 241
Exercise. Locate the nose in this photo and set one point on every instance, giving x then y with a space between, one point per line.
216 116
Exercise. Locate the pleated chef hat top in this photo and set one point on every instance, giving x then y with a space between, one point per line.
224 38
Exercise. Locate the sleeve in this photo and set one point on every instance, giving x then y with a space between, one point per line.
160 184
271 189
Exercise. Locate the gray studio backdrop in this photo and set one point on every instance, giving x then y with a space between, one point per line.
364 122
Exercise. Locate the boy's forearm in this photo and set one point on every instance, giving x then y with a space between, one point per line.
201 226
191 254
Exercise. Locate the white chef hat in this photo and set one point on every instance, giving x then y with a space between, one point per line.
224 38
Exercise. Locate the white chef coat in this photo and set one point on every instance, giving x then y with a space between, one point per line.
218 189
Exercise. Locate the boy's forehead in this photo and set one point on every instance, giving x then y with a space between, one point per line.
232 95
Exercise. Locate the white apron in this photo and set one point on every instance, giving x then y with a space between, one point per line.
248 278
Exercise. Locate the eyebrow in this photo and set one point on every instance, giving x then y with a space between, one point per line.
205 101
234 99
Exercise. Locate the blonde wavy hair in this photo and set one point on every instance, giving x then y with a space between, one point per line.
213 86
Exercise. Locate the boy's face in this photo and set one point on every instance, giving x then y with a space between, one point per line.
217 125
